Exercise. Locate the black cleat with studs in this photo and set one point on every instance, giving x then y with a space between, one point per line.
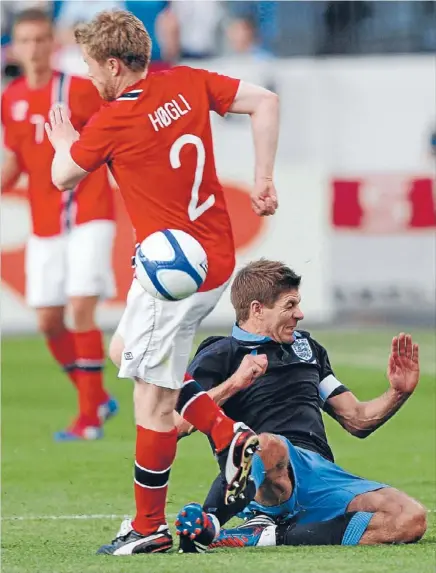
236 462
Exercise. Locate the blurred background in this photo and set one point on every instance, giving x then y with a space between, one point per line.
356 161
355 175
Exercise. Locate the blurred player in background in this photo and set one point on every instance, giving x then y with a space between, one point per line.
155 135
68 256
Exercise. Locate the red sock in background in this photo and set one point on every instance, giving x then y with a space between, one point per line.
89 374
155 453
63 350
200 410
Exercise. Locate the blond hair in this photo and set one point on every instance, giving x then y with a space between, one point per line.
261 280
116 34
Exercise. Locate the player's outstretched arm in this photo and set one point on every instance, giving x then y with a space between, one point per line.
65 173
10 170
262 106
363 418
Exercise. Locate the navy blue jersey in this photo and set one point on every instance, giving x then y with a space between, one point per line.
288 398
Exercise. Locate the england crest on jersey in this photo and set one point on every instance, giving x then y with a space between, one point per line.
302 349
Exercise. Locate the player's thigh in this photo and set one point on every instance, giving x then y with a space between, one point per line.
387 500
45 270
193 311
135 306
158 335
116 348
325 490
201 304
89 262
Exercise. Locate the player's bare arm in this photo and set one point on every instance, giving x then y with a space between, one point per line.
262 106
65 173
363 418
10 170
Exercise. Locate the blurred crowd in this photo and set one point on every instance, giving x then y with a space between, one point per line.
187 29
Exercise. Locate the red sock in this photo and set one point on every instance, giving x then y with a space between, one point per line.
89 374
200 410
155 453
62 348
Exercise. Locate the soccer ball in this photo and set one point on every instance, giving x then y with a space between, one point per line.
170 265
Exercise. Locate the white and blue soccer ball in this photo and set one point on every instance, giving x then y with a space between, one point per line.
170 265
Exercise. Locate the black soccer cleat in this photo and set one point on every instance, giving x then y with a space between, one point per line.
240 454
195 528
130 542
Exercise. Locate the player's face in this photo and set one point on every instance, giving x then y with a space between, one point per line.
33 45
282 319
101 76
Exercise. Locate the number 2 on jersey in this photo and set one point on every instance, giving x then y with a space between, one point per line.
195 209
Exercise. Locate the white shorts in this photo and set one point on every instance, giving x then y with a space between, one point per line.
158 335
77 263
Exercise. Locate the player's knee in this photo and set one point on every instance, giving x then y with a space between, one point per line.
412 524
166 403
50 324
154 402
116 349
83 311
267 441
154 407
276 486
274 452
407 521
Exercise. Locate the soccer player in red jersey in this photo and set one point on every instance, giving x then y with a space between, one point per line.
155 135
68 255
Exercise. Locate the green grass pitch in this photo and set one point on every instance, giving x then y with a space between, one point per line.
61 501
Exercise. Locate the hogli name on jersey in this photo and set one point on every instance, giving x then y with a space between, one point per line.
169 112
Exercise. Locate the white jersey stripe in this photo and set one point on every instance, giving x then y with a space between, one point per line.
61 94
328 386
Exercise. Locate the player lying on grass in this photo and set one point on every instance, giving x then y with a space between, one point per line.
278 379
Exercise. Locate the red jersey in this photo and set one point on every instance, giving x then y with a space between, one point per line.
24 112
157 140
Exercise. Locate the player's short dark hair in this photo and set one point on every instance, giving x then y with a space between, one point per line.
32 15
116 34
261 280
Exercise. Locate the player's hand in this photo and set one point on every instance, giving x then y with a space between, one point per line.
59 129
264 197
184 429
403 365
251 367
